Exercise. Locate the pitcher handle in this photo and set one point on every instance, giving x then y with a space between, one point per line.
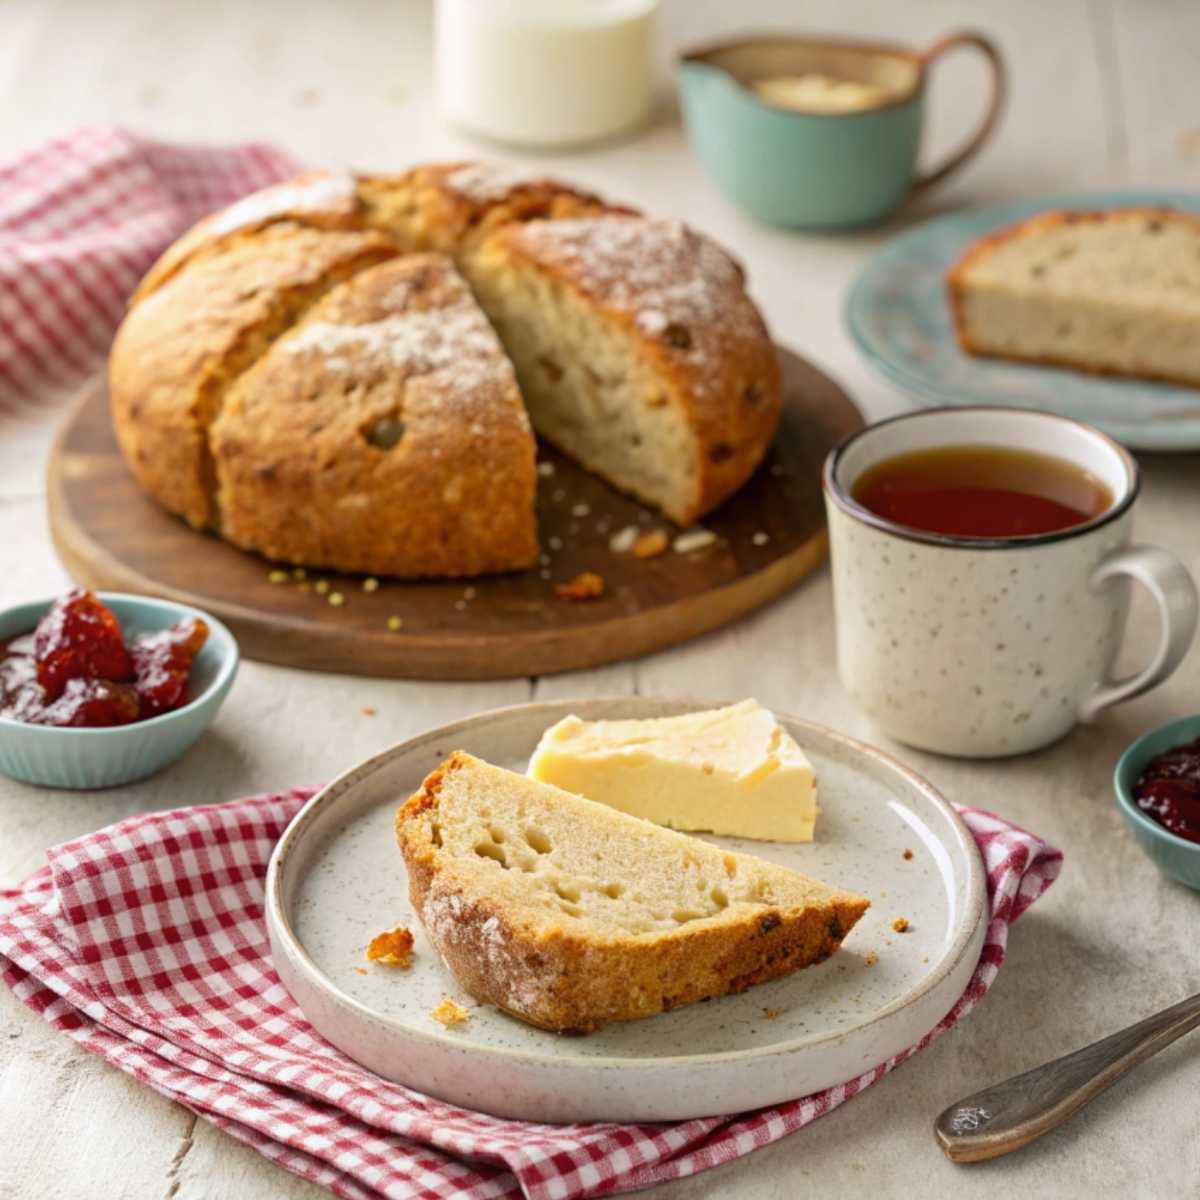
999 80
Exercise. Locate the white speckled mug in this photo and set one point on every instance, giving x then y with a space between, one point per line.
993 646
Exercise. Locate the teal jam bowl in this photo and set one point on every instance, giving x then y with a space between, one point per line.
98 758
1174 856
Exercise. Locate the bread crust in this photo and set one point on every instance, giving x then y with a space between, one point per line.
299 474
720 371
957 283
218 299
567 982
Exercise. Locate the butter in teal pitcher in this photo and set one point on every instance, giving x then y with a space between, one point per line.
811 133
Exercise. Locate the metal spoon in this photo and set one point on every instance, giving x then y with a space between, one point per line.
1011 1114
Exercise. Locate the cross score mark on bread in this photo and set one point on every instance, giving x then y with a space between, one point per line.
281 379
571 915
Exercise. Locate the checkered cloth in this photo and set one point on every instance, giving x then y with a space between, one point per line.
81 220
145 943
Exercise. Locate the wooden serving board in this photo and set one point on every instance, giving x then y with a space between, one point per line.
110 535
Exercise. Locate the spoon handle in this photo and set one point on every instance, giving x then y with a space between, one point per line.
1011 1114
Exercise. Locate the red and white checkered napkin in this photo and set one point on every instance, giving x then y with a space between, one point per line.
145 942
81 220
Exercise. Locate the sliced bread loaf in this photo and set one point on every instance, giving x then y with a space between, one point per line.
638 352
571 915
1115 292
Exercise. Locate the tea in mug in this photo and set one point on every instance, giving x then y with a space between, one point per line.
981 492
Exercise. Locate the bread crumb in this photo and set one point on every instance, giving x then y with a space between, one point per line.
694 539
555 543
587 585
581 510
650 544
370 584
460 606
623 540
449 1013
545 469
469 593
362 970
337 599
392 948
770 1013
870 958
277 577
321 587
368 712
900 924
394 623
907 853
760 538
299 573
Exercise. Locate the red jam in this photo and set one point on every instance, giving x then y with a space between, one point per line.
1169 790
75 668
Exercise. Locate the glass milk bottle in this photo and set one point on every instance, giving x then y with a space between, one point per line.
545 72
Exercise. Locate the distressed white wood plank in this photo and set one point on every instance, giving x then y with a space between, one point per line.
70 1123
1156 61
1110 943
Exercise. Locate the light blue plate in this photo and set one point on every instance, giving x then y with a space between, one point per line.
899 318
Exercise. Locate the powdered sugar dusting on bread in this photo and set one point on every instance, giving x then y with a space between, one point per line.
678 285
317 193
454 342
487 182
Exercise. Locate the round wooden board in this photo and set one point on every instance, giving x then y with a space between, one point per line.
110 535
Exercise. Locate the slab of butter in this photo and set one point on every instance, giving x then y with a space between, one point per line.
732 771
820 93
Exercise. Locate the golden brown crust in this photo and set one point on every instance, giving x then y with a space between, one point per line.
451 207
177 351
219 297
567 982
318 199
957 281
382 433
680 297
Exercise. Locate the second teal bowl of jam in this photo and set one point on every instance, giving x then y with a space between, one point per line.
52 756
1177 856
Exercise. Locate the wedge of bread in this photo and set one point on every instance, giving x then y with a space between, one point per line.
571 915
1114 292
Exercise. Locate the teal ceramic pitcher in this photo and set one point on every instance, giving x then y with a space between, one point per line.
807 169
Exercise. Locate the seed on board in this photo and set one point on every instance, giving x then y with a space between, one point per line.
370 584
694 539
278 577
650 544
394 623
760 538
321 587
623 540
337 599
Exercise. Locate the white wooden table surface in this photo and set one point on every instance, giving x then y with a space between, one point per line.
1103 95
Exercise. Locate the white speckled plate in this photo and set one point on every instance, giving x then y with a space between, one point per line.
336 879
898 316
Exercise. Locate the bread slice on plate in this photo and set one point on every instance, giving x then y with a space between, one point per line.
1112 292
571 915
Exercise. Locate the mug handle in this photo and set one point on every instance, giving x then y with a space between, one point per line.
1168 582
976 141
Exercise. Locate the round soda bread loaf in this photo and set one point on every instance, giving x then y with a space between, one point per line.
308 375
